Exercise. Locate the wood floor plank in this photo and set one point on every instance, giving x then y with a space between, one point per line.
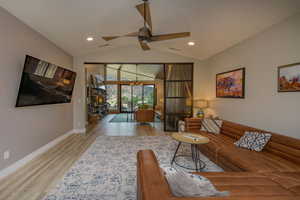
35 179
37 162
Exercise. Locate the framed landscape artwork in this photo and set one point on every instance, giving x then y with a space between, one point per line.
231 84
289 78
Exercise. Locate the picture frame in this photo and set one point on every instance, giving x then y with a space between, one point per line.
288 79
231 84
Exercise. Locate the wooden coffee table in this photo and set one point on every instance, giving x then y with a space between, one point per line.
193 140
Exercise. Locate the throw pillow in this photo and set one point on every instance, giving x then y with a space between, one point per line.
253 140
211 125
260 141
246 140
181 126
183 184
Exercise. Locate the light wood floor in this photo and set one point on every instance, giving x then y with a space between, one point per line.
104 127
32 181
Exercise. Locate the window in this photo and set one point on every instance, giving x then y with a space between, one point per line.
128 72
112 97
111 74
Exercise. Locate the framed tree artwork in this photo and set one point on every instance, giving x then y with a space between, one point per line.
231 84
289 78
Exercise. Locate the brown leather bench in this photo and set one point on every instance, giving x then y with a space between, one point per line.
152 185
281 154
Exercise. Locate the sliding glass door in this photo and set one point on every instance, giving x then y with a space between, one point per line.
178 94
112 97
137 96
134 95
148 95
126 98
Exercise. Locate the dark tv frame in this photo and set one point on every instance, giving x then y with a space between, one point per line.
243 69
22 81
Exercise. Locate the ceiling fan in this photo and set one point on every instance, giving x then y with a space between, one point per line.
144 34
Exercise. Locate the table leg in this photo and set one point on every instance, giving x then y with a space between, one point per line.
175 153
194 156
199 164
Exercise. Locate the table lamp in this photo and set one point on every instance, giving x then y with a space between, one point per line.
200 104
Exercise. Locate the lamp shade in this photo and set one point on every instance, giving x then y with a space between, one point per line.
200 103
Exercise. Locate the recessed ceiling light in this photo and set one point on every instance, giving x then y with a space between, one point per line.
191 43
90 39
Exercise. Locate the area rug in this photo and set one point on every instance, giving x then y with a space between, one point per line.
124 117
107 170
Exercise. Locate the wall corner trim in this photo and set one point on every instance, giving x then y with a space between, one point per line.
20 163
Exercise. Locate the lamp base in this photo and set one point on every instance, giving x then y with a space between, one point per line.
200 113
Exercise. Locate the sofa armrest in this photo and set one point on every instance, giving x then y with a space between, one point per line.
239 198
192 124
151 183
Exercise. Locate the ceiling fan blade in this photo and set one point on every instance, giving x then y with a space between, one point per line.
134 34
144 10
174 49
108 38
144 46
155 38
104 45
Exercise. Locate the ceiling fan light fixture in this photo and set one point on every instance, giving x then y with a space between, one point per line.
191 43
89 39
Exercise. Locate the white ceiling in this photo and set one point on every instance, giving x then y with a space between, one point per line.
215 24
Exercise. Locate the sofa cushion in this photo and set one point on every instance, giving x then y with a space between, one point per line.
256 161
246 184
288 180
221 149
286 147
217 141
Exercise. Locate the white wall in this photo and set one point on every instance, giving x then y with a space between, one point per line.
24 130
129 54
263 106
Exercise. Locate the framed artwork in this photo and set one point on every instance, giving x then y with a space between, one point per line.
289 78
231 84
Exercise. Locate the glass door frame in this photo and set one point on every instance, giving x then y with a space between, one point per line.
120 98
131 94
166 97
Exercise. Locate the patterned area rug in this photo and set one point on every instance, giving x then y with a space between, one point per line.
107 170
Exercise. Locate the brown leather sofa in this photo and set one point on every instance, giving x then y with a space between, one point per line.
281 154
152 185
273 174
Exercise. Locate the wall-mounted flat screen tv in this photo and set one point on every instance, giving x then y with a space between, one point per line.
44 83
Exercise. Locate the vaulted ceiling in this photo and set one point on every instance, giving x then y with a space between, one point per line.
215 24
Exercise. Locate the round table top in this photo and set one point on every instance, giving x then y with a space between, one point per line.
190 138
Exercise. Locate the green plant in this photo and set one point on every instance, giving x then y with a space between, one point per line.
143 106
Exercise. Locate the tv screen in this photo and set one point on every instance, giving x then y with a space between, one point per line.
44 83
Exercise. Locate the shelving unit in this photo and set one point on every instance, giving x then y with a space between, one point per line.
97 105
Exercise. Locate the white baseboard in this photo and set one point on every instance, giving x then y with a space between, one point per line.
79 130
12 168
